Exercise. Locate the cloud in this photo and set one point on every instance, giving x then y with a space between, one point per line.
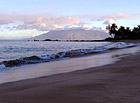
114 16
49 23
117 16
110 22
43 23
10 18
39 19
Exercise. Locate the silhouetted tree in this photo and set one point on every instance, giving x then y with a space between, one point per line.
128 32
123 33
120 33
112 29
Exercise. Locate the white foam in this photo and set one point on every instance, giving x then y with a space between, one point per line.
45 69
78 52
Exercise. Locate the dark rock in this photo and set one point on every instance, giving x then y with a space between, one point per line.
61 53
32 58
111 48
57 56
54 56
12 63
71 54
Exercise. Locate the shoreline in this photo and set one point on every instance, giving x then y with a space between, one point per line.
35 59
112 83
64 66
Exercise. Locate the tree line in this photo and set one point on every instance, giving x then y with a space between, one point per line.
123 33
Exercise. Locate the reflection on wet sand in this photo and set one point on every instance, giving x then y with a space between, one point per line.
69 65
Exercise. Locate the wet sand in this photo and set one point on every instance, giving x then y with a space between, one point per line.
113 83
64 66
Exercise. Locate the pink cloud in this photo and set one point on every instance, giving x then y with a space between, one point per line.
50 23
118 16
114 16
39 19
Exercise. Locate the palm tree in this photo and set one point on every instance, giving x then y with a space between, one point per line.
120 34
128 32
112 29
123 33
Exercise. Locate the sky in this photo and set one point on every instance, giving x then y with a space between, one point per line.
28 18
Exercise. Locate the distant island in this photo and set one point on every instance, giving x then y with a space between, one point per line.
72 34
81 35
123 33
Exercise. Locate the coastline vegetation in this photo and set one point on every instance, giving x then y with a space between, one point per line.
116 33
123 33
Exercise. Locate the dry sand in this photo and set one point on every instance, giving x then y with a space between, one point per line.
114 83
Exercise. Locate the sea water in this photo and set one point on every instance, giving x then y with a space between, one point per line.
58 56
17 53
10 50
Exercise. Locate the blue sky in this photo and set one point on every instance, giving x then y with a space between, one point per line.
26 18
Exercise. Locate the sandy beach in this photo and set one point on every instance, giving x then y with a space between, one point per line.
113 83
69 51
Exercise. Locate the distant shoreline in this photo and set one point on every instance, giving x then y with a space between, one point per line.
104 40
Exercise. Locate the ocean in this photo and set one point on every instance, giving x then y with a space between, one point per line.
17 53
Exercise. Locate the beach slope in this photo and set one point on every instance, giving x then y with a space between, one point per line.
114 83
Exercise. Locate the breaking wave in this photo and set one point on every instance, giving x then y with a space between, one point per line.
62 55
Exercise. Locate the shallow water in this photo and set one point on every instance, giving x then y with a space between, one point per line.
10 50
18 53
63 66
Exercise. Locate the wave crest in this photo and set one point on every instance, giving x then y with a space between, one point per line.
61 55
